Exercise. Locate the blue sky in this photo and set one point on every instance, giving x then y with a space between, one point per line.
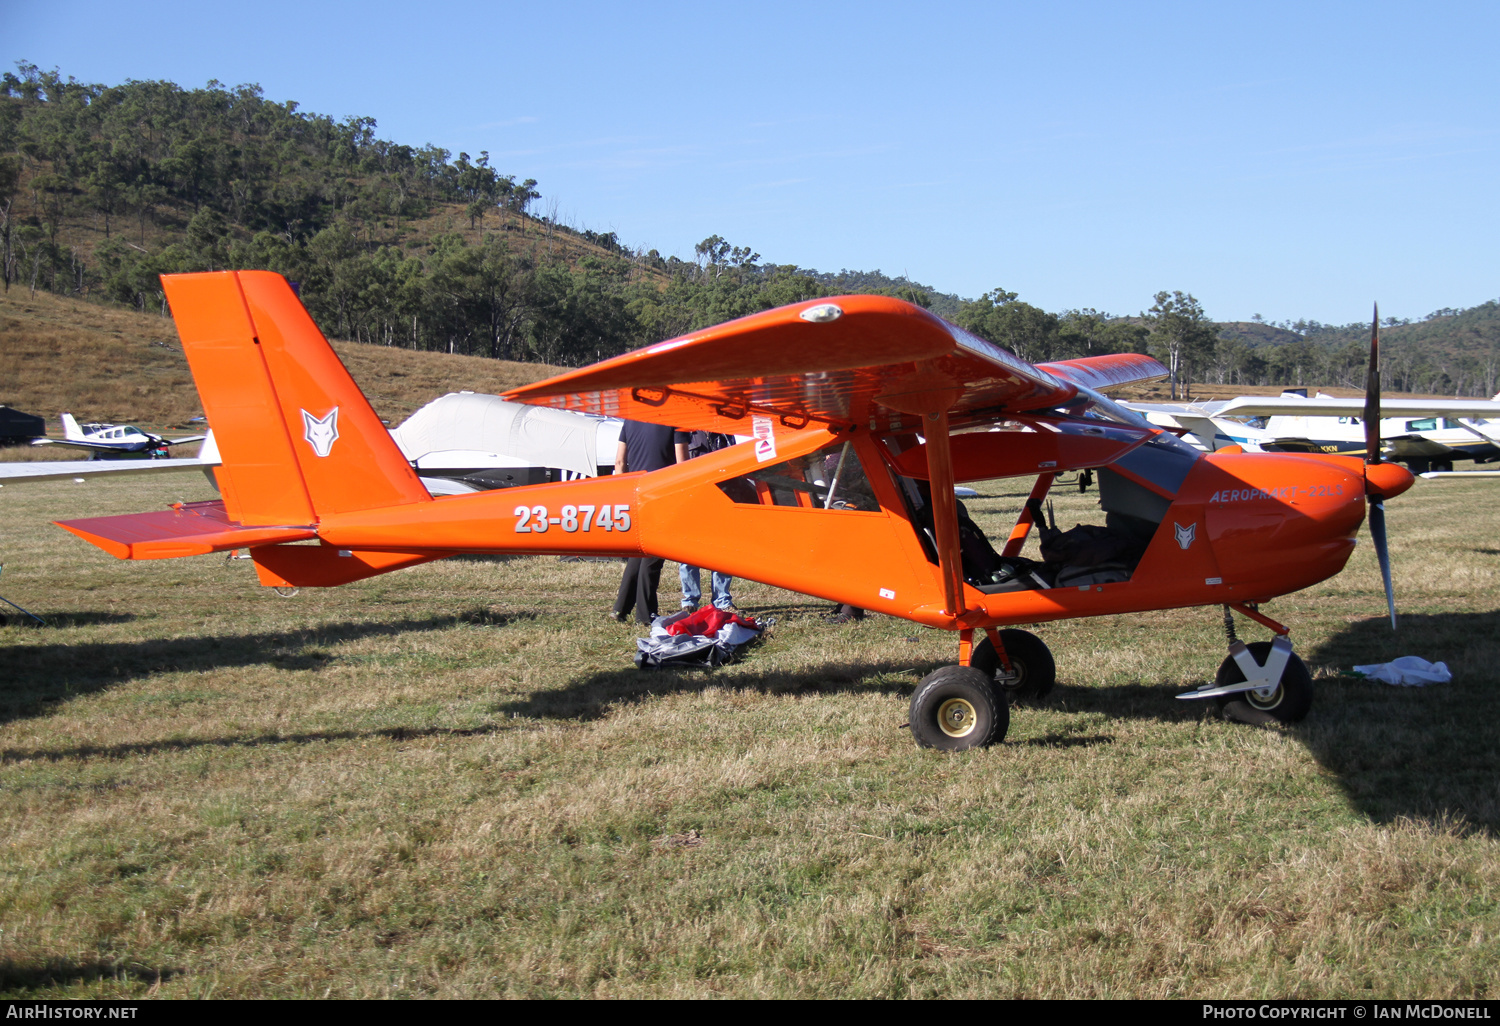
1289 159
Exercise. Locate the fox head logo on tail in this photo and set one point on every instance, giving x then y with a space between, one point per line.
321 433
1185 535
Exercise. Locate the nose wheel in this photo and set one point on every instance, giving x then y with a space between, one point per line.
1286 701
1262 682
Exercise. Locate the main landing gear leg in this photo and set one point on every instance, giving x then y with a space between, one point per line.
1262 682
956 708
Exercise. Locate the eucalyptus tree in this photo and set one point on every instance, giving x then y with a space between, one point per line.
1180 334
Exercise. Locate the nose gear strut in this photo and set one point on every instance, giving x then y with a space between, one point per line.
1261 678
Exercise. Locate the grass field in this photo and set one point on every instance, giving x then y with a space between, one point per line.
450 781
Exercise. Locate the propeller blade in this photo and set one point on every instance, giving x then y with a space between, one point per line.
1372 393
1377 535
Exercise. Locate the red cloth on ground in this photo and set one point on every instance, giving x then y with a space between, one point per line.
709 620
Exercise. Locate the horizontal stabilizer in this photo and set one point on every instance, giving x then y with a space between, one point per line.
187 529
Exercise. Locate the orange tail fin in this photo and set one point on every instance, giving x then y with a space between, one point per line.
297 437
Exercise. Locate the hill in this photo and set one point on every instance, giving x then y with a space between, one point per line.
104 188
1449 352
110 364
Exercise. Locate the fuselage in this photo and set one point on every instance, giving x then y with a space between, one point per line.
1234 528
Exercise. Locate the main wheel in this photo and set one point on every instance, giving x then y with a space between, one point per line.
1288 702
955 709
1030 658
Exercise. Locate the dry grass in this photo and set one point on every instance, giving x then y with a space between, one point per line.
449 781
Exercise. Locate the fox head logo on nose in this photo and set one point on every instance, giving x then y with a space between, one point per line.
321 433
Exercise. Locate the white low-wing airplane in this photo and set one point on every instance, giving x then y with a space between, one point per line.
117 441
81 470
1423 433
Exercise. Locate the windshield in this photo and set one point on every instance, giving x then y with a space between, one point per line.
1092 405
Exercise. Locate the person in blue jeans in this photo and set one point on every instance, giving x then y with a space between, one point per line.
692 588
688 445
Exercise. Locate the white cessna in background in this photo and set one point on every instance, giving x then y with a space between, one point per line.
1425 434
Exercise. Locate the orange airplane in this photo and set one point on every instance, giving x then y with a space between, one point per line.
864 413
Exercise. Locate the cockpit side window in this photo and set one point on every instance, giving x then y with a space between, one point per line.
832 478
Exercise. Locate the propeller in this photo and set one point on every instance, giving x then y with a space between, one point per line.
1372 460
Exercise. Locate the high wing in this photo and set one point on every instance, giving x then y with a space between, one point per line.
842 361
1329 406
1108 372
463 425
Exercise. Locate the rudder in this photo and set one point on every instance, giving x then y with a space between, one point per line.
297 437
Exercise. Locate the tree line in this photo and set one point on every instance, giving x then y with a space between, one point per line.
103 188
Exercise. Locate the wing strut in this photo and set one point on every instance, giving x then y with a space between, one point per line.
945 512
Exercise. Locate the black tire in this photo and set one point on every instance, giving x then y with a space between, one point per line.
955 709
1288 704
1029 657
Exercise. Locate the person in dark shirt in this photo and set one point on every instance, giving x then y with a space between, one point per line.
690 445
645 447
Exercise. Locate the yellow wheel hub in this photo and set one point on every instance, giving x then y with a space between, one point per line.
957 718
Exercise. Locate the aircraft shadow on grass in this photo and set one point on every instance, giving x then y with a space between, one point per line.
592 697
62 621
187 744
61 972
39 676
1428 754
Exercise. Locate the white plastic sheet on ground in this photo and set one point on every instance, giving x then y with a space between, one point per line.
1408 671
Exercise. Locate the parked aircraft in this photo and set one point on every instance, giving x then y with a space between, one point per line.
834 495
458 443
1422 433
114 441
469 442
